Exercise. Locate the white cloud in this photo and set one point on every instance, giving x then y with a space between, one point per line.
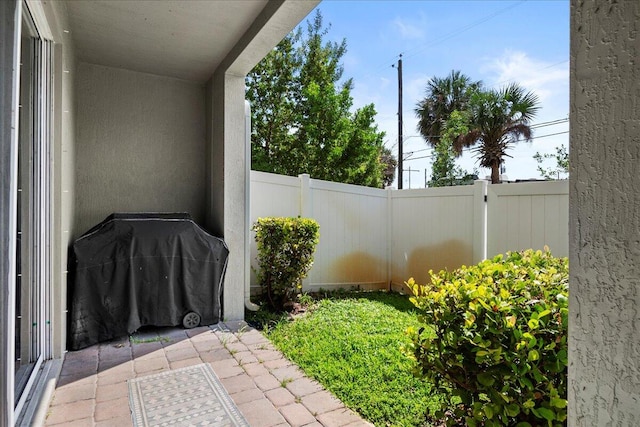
409 30
549 80
546 79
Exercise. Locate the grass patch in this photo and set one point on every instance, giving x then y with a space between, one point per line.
264 319
351 344
136 340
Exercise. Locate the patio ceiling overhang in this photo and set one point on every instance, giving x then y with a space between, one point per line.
182 39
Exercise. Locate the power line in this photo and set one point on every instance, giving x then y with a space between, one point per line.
549 123
533 126
472 148
562 120
461 30
416 50
551 134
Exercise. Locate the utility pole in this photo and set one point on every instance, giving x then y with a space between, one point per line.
400 124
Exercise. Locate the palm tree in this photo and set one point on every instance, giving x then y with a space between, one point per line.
443 96
498 119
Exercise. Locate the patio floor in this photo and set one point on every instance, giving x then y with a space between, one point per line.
268 389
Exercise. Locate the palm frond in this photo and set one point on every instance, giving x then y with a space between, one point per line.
443 95
466 140
520 130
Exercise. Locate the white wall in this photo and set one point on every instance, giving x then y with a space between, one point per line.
140 145
604 302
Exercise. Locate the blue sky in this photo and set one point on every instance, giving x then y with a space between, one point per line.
494 41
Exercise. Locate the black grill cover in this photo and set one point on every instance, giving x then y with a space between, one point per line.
134 270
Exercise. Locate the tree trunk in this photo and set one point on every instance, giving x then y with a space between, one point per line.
495 173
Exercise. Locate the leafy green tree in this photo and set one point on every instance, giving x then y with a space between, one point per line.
562 163
271 88
443 96
441 114
444 171
302 119
498 119
389 163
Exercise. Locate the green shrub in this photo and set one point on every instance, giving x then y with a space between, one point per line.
285 256
500 341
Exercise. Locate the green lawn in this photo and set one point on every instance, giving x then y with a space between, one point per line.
352 345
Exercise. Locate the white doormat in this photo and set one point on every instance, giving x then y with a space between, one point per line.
191 396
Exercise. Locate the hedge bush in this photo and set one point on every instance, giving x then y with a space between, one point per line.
285 256
500 342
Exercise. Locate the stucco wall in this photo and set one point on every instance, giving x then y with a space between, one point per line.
140 145
228 185
604 330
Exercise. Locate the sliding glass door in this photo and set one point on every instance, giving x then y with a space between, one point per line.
33 251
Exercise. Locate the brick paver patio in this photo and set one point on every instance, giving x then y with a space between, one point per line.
268 389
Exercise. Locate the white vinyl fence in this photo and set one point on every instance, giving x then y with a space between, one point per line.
376 239
528 215
436 228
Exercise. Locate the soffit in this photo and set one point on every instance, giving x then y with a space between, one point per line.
182 39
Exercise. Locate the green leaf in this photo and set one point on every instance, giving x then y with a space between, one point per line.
512 409
558 403
563 357
302 120
476 411
533 355
544 313
526 382
488 411
486 379
545 413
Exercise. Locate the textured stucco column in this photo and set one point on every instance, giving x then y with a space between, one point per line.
228 159
227 184
604 329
